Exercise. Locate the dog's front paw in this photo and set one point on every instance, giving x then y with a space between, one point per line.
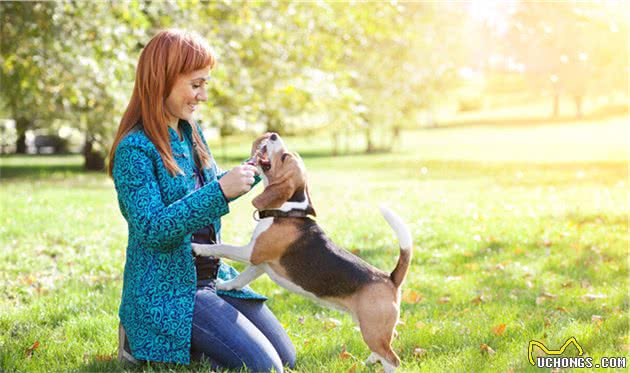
201 249
228 285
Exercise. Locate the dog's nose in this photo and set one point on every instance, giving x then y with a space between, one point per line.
273 137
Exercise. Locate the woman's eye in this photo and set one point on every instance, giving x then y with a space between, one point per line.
195 86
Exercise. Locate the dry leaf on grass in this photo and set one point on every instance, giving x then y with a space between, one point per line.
545 297
411 296
597 320
419 352
29 351
499 329
484 348
331 323
445 299
345 354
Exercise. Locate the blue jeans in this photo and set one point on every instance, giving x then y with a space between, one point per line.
232 333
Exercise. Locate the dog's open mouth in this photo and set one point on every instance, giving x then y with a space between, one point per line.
263 158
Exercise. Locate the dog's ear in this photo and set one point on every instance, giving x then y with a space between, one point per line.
274 195
310 209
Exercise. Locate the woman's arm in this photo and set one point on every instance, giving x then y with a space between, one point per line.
161 227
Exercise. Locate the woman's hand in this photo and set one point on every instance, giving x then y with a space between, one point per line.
238 180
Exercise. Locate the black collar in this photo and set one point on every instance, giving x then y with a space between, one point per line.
282 214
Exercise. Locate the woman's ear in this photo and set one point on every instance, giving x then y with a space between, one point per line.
274 195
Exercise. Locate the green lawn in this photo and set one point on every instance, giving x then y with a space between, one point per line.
522 226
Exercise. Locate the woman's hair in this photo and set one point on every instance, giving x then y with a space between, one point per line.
169 54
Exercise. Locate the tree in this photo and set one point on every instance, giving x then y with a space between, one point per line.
574 48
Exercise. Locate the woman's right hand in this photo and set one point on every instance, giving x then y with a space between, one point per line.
238 180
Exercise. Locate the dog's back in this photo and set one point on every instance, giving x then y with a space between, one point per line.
318 266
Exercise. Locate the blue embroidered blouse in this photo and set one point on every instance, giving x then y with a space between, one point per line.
162 212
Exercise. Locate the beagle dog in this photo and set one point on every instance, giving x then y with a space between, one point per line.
294 251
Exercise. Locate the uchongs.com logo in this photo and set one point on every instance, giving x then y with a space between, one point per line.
554 360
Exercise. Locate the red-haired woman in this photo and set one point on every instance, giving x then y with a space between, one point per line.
171 193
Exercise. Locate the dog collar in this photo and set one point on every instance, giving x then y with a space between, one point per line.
281 214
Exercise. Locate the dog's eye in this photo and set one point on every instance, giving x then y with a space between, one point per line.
284 156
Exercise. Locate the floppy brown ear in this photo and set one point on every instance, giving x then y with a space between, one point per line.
274 195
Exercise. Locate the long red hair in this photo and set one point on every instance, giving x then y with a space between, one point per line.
169 53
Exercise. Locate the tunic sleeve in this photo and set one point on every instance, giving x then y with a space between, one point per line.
157 225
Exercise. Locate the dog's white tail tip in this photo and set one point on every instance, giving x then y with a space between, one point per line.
397 224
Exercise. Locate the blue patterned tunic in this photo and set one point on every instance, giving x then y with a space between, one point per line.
162 212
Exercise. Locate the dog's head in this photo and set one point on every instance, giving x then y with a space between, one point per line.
284 175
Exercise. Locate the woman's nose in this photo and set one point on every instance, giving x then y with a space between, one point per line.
202 96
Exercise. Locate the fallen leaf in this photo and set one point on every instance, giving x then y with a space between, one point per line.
567 284
518 251
412 297
355 251
547 243
345 354
597 320
29 351
331 323
419 352
479 299
548 295
545 296
104 358
484 348
420 325
444 300
547 322
352 368
499 329
562 309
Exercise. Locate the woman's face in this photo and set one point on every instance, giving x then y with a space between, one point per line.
188 91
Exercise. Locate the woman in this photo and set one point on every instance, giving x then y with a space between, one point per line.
171 194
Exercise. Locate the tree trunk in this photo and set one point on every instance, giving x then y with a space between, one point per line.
556 104
93 159
578 106
335 138
368 140
21 126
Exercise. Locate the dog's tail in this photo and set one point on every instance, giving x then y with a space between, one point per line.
406 245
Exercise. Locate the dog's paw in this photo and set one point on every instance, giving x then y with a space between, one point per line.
202 250
227 286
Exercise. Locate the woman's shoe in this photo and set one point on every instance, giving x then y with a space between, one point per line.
124 351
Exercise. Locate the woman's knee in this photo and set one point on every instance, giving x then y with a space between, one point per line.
263 361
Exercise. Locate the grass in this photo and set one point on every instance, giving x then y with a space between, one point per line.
526 227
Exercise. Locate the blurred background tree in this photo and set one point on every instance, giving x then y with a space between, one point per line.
339 69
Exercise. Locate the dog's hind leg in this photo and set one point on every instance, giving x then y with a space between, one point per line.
248 275
377 320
